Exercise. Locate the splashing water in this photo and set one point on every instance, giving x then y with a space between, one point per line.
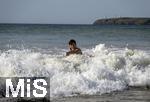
99 70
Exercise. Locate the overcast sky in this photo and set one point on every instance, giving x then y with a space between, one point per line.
70 11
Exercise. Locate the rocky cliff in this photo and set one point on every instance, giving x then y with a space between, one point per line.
123 21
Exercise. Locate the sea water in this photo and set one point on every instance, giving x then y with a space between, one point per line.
114 57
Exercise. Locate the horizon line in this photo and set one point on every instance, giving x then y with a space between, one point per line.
21 23
47 23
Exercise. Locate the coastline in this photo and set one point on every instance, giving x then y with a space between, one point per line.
123 21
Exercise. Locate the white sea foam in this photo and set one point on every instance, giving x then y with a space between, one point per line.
99 70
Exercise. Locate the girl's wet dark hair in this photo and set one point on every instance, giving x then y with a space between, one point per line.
72 41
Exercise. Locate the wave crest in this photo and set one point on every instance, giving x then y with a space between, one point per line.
97 71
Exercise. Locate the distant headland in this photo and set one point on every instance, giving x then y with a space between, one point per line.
123 21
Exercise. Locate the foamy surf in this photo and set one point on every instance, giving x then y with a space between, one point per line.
99 70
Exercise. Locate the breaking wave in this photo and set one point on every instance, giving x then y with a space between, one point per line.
99 70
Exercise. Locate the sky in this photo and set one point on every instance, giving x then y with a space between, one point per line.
70 11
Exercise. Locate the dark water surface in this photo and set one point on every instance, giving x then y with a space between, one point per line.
130 95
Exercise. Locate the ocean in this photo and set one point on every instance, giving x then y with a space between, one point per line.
116 58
